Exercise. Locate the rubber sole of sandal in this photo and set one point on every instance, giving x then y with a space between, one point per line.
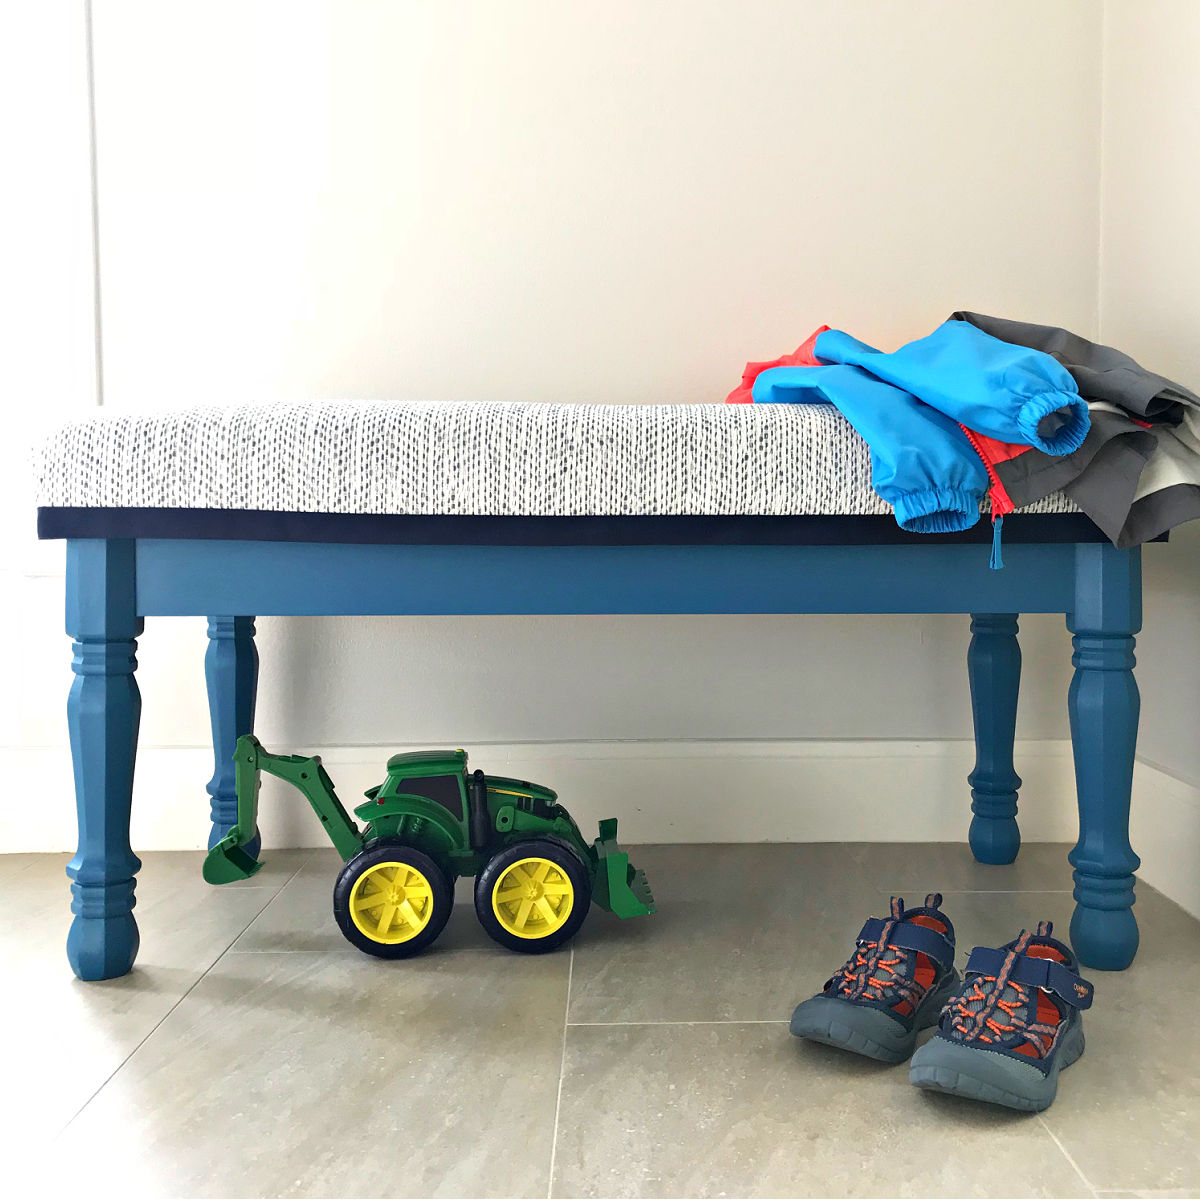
870 1032
977 1074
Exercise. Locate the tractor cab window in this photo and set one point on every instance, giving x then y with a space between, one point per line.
445 790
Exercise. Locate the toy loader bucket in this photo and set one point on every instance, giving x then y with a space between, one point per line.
619 888
228 860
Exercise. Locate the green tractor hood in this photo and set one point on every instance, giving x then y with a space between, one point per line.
520 787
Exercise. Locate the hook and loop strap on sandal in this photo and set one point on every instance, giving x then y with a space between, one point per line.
1035 972
908 936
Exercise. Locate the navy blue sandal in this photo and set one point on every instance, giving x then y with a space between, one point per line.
891 987
1013 1025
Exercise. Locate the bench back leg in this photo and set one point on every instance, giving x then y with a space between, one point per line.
994 667
1104 705
231 675
103 711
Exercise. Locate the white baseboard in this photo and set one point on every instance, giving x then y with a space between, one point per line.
1165 831
715 791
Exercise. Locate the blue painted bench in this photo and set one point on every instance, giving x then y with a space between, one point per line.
130 556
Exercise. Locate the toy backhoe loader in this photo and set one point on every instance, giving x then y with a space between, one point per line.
429 822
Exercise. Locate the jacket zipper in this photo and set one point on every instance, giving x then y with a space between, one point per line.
1001 501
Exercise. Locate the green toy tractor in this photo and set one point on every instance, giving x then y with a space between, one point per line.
428 823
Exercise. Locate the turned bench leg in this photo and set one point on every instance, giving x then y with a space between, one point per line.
231 674
994 667
103 711
1104 705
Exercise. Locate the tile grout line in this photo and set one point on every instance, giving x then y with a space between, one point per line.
242 932
347 951
608 1024
1087 1183
195 983
562 1068
275 896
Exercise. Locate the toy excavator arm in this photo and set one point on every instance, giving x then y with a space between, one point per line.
228 859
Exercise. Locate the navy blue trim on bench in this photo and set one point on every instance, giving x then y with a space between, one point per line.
224 524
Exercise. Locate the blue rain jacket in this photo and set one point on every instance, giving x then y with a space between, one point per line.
1007 392
921 461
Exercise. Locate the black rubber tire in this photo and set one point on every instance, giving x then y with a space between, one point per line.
439 884
563 857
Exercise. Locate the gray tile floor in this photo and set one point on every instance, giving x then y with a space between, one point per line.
252 1052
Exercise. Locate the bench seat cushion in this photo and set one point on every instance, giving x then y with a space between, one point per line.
469 459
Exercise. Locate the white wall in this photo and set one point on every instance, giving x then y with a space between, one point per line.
47 321
570 201
1150 306
576 201
47 357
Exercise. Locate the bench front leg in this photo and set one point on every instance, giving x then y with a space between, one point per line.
231 674
994 667
103 712
1104 706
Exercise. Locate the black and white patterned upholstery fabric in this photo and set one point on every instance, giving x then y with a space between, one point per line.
472 458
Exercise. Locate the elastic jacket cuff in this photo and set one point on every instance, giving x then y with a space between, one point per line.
939 510
1068 437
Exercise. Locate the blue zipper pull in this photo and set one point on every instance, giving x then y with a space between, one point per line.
996 562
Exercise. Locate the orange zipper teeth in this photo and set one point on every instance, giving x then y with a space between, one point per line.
997 491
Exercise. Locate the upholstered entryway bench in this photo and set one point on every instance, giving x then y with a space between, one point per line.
392 508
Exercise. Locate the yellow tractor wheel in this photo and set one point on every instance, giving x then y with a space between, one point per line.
533 895
392 900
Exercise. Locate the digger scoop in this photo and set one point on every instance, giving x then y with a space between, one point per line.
619 887
229 859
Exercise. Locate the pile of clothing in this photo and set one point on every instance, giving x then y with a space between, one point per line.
1008 409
